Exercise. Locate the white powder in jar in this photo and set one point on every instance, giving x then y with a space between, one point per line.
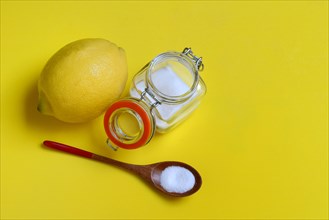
168 82
177 179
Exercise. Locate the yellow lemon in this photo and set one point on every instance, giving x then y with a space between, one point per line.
82 79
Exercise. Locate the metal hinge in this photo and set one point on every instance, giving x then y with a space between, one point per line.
197 60
147 95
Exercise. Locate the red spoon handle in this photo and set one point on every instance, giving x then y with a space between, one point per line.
83 153
68 149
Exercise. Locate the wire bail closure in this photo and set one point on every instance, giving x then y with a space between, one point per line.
198 60
150 94
161 96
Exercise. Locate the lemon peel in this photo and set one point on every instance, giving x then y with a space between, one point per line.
82 79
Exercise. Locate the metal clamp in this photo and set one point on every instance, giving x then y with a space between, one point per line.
108 142
147 92
198 60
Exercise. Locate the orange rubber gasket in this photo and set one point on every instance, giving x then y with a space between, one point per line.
140 111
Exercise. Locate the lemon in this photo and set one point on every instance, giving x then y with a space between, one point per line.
82 79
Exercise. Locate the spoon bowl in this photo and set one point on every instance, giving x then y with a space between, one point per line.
150 173
160 167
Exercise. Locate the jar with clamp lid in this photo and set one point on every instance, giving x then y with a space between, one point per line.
163 93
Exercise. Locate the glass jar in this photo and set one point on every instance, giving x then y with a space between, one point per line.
163 93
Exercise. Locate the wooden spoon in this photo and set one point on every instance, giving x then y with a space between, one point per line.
151 173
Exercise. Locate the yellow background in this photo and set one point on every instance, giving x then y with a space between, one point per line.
259 138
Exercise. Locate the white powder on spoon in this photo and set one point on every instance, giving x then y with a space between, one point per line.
177 179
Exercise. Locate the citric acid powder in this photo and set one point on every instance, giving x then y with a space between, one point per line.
177 179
